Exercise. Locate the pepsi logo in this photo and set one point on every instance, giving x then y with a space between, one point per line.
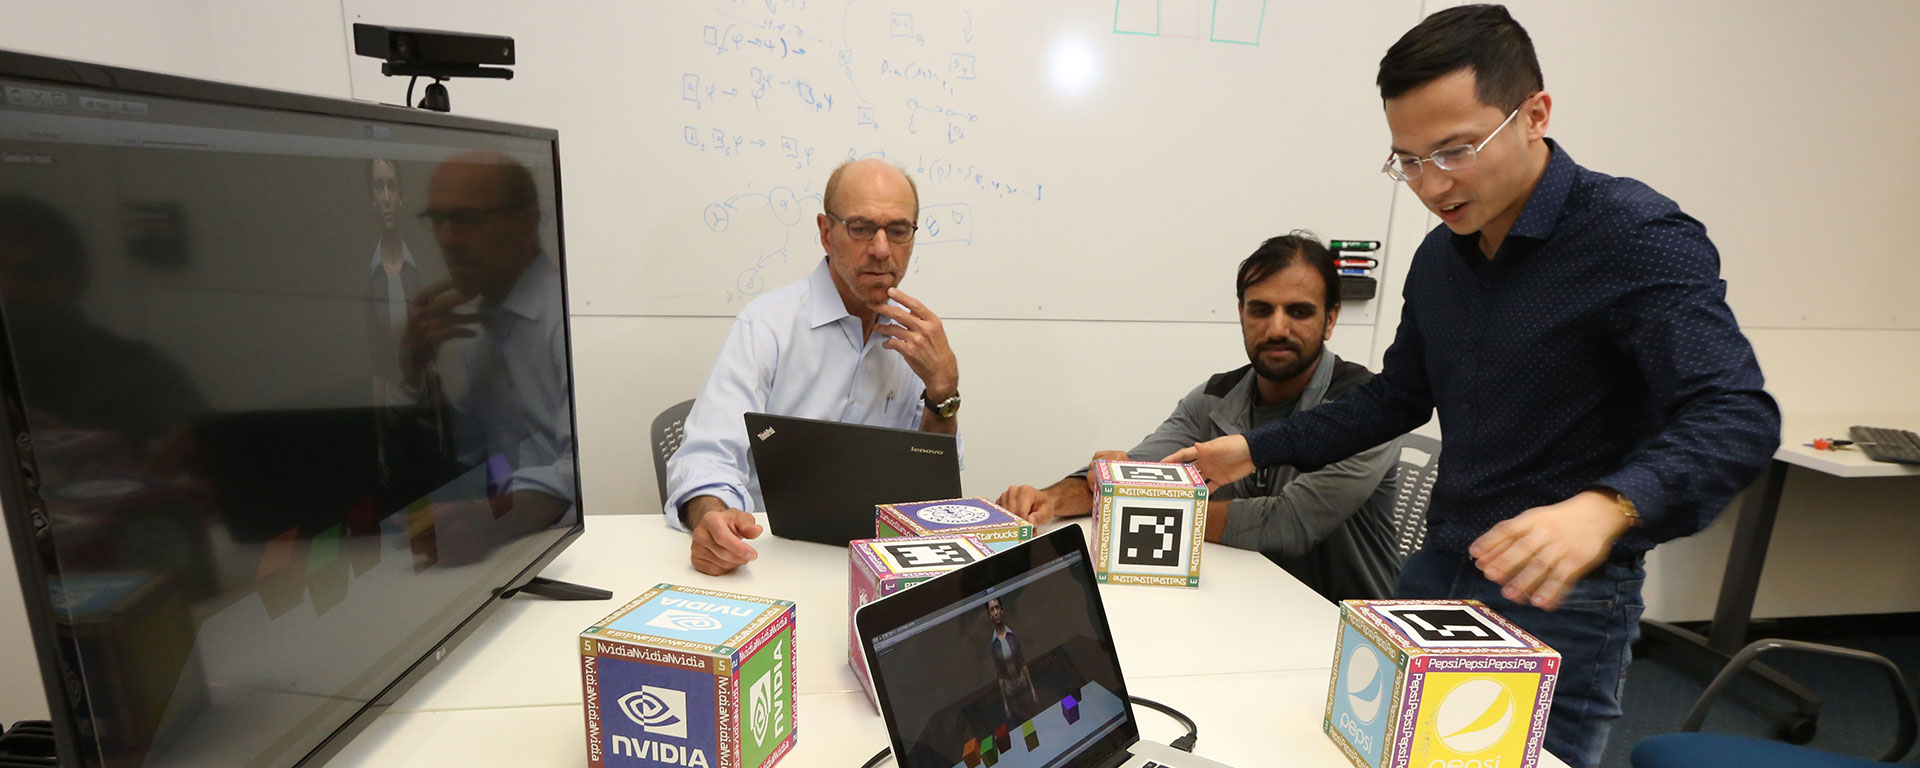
1475 716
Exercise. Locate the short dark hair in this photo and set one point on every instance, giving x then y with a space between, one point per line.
1278 253
1481 38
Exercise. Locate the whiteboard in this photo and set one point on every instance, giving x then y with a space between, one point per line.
1091 160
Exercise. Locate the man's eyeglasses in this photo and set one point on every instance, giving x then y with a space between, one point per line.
1456 158
462 218
898 233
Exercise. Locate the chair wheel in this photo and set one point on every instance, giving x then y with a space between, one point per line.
1796 728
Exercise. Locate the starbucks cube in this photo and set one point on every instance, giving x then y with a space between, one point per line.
691 678
1418 683
997 527
881 567
1148 523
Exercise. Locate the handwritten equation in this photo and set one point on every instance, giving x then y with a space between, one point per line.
783 91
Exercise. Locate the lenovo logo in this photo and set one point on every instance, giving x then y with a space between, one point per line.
930 451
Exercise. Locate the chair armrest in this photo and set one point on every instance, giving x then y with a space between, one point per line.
1902 697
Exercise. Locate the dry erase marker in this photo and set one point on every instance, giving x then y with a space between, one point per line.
1354 245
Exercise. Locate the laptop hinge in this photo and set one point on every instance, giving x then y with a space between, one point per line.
1115 760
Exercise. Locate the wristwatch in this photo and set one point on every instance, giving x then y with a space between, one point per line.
944 409
1627 508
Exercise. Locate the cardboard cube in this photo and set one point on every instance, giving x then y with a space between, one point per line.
1418 683
691 678
997 527
881 567
1148 523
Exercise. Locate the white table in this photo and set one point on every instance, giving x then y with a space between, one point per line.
510 694
1753 532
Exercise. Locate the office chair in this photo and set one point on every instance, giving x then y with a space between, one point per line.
669 428
1415 489
1709 750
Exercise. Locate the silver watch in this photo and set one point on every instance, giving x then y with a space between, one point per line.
944 409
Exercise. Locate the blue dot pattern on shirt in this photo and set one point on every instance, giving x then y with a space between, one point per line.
1595 350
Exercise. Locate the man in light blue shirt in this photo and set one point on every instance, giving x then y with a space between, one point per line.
843 344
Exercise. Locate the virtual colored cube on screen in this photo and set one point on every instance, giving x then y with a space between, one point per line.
989 751
688 677
1418 683
997 527
880 567
1149 522
971 755
1032 736
1070 707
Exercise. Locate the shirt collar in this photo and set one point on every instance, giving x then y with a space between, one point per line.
1549 196
1542 211
406 255
534 293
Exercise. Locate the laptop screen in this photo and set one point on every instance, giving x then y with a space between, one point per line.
1021 673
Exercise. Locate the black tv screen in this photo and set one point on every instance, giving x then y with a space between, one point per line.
287 396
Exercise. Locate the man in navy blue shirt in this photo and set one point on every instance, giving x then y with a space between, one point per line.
1571 329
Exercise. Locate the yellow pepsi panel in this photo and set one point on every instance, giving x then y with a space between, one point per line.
1437 684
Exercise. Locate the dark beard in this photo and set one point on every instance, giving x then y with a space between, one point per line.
1301 362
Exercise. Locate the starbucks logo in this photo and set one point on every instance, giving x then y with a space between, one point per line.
952 514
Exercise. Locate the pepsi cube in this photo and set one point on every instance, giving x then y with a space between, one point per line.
881 567
997 527
1418 683
691 678
1149 521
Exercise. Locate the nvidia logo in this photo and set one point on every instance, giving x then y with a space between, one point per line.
660 711
767 702
685 621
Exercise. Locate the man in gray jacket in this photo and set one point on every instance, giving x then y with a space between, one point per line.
1332 529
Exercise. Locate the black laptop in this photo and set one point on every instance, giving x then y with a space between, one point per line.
1010 656
820 480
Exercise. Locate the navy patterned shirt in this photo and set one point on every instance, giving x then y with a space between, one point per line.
1596 349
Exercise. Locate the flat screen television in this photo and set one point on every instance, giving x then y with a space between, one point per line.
287 398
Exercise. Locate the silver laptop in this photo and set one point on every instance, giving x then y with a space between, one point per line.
1008 663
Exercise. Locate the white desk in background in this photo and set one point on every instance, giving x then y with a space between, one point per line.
1247 655
1753 532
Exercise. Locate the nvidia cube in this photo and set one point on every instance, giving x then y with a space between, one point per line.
1437 682
691 678
881 567
1149 522
997 527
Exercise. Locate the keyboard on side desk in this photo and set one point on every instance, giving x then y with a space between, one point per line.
1882 444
